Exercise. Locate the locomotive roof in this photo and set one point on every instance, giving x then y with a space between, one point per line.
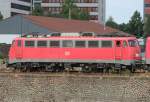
75 38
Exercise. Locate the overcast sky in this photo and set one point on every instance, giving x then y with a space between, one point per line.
122 10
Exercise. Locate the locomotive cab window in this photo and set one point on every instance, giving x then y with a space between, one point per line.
93 44
118 43
107 44
54 44
29 43
125 44
133 43
80 44
42 43
68 43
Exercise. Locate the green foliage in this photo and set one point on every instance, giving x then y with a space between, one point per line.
38 11
71 11
1 56
147 25
1 16
135 25
112 23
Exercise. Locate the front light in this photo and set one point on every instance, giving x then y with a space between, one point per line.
137 55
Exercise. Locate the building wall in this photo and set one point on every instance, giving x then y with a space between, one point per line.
147 7
5 8
96 8
13 7
20 7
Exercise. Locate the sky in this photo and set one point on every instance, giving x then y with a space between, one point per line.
122 10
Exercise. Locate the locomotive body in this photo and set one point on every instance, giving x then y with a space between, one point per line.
147 51
86 52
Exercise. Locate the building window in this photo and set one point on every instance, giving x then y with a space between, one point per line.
106 44
42 43
20 7
14 13
67 43
25 0
54 44
80 44
146 5
29 43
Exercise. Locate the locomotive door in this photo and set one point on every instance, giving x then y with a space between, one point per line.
118 50
18 49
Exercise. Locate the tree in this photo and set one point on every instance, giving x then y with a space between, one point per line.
135 25
147 25
71 11
38 11
111 23
123 27
1 16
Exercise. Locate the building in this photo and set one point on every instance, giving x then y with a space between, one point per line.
146 7
95 8
25 24
13 7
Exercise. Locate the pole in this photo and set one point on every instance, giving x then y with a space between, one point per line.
104 13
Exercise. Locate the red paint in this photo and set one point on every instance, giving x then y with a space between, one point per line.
114 53
147 52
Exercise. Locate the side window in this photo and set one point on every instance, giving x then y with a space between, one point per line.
125 44
93 44
42 43
67 43
118 43
29 43
106 44
19 43
54 44
80 44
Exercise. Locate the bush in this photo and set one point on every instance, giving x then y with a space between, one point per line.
1 56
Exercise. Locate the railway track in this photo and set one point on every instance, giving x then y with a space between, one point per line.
73 74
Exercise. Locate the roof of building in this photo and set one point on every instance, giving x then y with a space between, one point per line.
65 25
25 24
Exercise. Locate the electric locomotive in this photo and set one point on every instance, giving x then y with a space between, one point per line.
58 53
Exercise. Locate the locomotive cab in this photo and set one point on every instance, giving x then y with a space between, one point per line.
135 49
127 51
15 52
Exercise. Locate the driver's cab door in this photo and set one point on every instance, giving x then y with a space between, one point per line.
18 49
118 50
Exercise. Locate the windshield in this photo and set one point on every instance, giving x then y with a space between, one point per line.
133 43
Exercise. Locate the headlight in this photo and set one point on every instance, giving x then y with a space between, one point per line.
137 55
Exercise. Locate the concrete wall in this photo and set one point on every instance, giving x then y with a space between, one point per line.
8 38
5 8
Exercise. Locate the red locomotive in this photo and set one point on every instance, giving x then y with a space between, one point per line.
91 53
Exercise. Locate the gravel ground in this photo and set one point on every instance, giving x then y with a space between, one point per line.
49 87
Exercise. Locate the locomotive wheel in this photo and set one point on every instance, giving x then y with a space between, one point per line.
132 68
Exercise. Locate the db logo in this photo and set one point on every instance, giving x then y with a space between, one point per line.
67 53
